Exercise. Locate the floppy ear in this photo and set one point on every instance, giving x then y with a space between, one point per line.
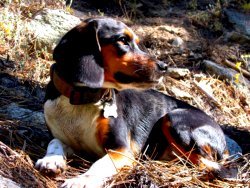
78 56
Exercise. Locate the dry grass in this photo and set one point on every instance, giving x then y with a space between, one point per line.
225 102
18 166
17 44
176 173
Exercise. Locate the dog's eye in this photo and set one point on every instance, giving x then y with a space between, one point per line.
123 40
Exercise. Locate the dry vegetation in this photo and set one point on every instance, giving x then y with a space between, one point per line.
19 45
23 143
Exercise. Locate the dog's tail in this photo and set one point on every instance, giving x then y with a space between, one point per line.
228 168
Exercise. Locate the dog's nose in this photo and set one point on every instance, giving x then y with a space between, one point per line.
162 66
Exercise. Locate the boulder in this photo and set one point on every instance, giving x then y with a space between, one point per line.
15 112
177 42
178 72
224 73
240 21
238 37
48 26
234 149
5 182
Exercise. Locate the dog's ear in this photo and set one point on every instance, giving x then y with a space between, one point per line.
78 56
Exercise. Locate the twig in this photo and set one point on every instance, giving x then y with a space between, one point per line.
233 66
179 181
171 59
6 150
212 99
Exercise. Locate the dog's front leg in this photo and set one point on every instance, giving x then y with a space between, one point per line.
101 170
54 162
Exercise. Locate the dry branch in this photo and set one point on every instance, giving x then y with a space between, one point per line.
212 99
233 66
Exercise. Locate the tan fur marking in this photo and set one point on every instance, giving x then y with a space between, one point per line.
131 35
102 130
121 157
191 155
128 64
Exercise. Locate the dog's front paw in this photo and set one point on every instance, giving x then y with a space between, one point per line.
51 164
83 181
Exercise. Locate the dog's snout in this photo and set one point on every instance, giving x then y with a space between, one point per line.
162 66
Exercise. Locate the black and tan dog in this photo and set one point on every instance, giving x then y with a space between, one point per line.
98 101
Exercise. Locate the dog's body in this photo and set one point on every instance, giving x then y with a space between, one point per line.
92 106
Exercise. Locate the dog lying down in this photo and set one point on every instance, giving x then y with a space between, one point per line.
99 101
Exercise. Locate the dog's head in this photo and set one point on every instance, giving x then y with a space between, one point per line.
104 52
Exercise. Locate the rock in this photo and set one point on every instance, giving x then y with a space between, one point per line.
49 26
205 4
178 72
8 81
5 183
234 149
224 73
240 20
14 87
6 63
177 42
237 37
195 56
13 111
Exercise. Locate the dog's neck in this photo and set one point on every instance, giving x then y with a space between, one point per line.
80 95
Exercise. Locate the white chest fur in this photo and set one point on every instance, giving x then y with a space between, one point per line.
74 125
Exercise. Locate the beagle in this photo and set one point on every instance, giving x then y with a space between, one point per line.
99 101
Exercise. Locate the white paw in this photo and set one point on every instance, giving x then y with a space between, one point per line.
51 164
83 181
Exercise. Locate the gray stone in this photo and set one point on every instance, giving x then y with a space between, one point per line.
178 72
49 26
8 183
177 42
223 73
237 37
8 81
13 111
234 149
240 20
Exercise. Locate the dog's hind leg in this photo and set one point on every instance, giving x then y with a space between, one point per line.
195 136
